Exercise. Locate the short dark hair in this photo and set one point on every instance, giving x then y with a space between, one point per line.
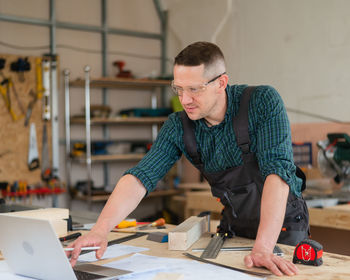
199 53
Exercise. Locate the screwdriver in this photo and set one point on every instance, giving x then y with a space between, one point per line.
159 222
126 224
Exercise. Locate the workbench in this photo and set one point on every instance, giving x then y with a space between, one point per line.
334 265
330 226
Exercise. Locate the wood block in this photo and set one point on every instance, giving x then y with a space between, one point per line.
56 216
185 234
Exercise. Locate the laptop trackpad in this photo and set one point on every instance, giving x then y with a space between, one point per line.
101 270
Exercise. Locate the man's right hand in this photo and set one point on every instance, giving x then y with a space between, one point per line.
93 238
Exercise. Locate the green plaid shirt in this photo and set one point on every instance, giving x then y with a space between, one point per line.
269 132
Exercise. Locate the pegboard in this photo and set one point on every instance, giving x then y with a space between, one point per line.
14 135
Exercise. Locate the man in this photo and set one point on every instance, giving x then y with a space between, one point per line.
239 138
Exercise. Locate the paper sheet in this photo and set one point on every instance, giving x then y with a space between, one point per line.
146 267
113 251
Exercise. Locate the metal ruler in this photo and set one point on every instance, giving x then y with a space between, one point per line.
261 274
276 251
120 240
126 238
214 246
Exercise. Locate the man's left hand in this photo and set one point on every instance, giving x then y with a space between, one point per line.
277 265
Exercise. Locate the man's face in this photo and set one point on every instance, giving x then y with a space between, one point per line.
198 99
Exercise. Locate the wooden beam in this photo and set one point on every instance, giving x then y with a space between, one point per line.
185 234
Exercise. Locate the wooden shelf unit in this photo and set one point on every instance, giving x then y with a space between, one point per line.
141 85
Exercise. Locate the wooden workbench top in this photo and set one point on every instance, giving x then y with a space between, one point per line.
332 217
335 266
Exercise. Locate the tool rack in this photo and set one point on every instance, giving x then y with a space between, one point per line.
105 30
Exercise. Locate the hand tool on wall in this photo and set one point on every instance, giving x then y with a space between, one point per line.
45 163
39 90
46 172
5 88
159 222
33 156
2 66
30 107
46 81
308 252
20 105
6 96
20 66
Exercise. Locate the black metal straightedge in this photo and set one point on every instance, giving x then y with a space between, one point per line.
261 274
126 238
120 240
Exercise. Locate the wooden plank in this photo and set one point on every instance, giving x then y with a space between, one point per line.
194 186
332 217
110 82
121 120
159 193
185 234
44 213
104 158
122 157
56 216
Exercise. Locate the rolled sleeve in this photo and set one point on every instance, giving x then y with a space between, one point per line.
161 157
274 144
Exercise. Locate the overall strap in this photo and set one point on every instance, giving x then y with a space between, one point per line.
190 140
241 122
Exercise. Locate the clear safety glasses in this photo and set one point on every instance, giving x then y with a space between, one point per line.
193 90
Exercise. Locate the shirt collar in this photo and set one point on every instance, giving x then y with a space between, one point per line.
228 115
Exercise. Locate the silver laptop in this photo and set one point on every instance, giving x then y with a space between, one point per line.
31 248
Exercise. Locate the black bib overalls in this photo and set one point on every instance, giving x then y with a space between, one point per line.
240 188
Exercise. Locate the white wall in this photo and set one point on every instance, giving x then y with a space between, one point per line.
299 47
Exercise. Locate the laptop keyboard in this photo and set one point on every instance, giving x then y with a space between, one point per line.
83 275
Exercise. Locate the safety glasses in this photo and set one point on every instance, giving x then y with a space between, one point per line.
193 90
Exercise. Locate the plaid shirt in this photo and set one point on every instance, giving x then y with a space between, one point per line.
269 132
